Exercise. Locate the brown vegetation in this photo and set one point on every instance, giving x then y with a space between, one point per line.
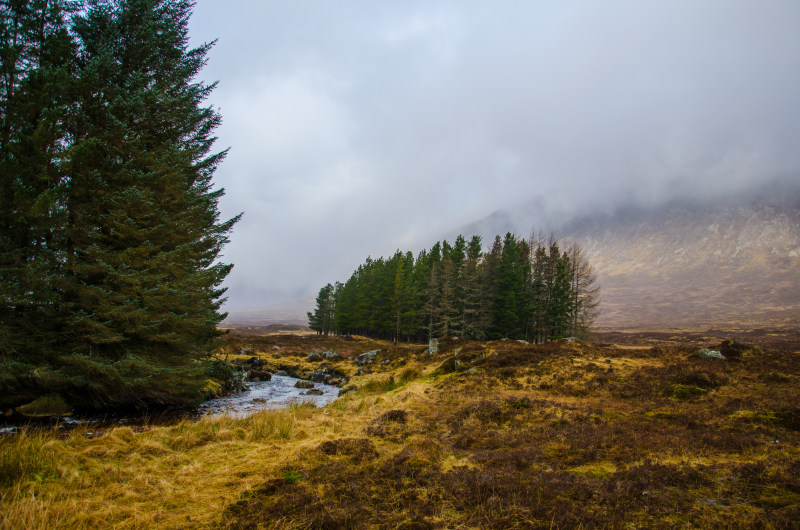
482 435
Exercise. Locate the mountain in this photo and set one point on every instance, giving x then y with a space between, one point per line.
691 264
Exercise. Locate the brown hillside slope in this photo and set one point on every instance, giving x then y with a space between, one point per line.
695 265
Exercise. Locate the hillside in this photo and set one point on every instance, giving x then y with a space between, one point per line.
697 264
479 435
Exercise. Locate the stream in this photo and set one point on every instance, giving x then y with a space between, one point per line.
277 393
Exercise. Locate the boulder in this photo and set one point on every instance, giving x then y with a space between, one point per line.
314 356
313 392
302 383
282 372
329 376
705 353
433 346
366 358
331 355
260 375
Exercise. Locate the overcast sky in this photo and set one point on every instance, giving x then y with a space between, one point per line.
357 128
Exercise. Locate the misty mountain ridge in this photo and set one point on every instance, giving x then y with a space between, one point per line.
731 260
728 260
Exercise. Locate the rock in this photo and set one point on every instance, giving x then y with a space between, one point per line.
259 400
304 384
255 362
276 348
325 365
366 358
457 351
313 392
705 353
385 362
282 372
433 346
260 375
329 376
49 405
314 356
246 351
331 355
522 341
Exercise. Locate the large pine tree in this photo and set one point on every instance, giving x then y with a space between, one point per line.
138 231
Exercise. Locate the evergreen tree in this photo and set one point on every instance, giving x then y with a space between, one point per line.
36 71
321 320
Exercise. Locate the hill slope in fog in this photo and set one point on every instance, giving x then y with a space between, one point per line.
734 263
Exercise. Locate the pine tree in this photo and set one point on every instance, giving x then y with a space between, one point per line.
143 285
36 71
321 320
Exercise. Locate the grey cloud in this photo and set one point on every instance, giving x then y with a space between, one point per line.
359 127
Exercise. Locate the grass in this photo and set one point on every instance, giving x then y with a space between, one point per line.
561 435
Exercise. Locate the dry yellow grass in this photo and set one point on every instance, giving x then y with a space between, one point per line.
523 435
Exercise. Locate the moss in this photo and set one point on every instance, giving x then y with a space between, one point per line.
686 391
49 405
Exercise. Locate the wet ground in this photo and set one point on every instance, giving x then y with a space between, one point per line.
264 395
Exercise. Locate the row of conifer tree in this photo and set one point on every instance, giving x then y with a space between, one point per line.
520 289
109 226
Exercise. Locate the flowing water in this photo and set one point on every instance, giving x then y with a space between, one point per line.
264 395
277 393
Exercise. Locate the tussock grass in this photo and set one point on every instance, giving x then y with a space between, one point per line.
561 435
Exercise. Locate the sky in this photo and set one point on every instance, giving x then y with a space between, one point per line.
357 128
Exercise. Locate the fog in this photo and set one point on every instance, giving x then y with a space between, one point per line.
357 128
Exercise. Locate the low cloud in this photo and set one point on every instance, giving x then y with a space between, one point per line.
358 128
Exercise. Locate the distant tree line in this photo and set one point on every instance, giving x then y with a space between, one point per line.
109 228
519 289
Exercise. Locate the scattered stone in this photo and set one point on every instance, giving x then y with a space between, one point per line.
314 356
260 375
304 384
331 355
313 392
366 358
329 376
705 353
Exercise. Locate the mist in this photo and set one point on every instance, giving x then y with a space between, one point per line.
360 128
